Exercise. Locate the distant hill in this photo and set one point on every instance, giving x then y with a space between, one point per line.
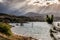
12 18
30 16
35 16
40 17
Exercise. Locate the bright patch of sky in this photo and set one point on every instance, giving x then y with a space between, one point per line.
42 2
1 0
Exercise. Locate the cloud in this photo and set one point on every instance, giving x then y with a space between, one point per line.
17 7
12 6
1 0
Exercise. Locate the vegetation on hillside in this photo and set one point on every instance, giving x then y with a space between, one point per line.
12 18
18 19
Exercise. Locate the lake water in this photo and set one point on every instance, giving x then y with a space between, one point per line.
39 30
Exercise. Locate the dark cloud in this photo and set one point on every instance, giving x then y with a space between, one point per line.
11 6
3 7
59 0
13 0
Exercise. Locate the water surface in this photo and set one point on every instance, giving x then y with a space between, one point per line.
39 30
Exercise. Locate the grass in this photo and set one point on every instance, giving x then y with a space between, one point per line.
5 29
15 37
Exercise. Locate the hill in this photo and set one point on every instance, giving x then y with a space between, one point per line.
35 16
30 16
40 17
12 18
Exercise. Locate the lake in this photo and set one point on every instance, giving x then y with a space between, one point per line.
39 30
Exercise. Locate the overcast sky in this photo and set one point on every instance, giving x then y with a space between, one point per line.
17 6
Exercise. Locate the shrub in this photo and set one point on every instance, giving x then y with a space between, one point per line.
49 19
5 29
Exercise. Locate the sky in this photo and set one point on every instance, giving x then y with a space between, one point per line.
18 7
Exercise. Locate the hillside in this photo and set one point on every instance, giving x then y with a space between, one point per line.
51 9
35 16
30 16
12 18
41 17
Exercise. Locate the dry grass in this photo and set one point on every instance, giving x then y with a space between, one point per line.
15 37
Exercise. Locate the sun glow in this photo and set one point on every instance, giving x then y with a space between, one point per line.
1 0
42 2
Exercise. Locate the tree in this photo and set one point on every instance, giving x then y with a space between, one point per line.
49 19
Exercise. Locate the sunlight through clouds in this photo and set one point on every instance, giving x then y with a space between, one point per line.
21 7
42 2
1 0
